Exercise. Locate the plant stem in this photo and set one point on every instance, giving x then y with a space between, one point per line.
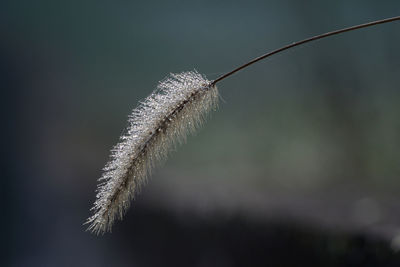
324 35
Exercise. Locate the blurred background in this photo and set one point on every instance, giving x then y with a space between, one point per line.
299 165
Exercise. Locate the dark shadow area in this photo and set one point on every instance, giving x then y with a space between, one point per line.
155 238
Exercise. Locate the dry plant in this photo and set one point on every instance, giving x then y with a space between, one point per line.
177 107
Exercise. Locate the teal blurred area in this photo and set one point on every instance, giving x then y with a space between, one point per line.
306 142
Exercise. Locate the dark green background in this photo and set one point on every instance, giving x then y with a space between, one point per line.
310 137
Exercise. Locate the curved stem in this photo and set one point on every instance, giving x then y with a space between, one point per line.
369 24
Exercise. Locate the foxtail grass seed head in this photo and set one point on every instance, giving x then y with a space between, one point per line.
178 107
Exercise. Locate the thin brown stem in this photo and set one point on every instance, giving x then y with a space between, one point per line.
369 24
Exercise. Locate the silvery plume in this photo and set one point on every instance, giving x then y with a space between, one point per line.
177 107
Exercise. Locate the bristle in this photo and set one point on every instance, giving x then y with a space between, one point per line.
160 122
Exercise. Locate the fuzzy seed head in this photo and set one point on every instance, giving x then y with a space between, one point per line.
177 107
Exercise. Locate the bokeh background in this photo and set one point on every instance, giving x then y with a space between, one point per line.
299 165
